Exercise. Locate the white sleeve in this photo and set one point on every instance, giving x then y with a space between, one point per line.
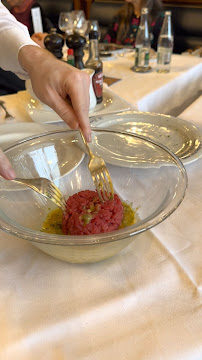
13 36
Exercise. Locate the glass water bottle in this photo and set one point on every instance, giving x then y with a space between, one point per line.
142 43
165 45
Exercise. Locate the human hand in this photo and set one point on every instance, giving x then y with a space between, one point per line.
6 170
62 87
39 38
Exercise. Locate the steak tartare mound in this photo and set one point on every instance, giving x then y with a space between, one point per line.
86 214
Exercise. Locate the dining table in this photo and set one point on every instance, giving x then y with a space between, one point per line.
144 303
167 93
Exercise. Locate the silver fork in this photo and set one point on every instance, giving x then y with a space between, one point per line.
100 174
46 188
8 116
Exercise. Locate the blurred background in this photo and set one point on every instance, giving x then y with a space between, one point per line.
186 17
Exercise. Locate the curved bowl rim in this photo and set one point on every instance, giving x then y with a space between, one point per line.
73 240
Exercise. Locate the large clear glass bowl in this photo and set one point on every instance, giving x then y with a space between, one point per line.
144 174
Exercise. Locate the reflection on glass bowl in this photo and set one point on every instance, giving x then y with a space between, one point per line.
144 173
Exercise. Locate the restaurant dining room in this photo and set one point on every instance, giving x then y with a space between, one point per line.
100 179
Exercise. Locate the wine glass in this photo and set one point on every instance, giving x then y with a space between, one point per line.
80 23
66 22
92 25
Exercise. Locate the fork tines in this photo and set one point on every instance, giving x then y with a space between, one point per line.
55 193
103 184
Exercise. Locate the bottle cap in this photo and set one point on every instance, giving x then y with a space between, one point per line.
93 35
70 52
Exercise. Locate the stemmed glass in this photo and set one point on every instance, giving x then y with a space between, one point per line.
92 25
80 23
66 22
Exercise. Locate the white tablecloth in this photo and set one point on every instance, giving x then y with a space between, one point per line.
193 112
143 304
167 93
154 92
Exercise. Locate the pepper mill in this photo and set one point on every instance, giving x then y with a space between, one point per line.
77 43
54 43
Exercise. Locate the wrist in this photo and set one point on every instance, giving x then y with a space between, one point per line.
31 57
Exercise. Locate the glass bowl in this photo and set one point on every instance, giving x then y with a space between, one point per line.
144 173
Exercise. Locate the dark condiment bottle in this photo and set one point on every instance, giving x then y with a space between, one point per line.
70 57
54 43
77 43
95 63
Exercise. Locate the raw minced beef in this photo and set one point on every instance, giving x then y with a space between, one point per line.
86 215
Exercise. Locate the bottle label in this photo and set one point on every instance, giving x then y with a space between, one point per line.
141 57
98 84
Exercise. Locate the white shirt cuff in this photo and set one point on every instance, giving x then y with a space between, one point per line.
16 39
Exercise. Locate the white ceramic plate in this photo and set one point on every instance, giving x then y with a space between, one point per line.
112 48
181 137
12 133
108 58
111 104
